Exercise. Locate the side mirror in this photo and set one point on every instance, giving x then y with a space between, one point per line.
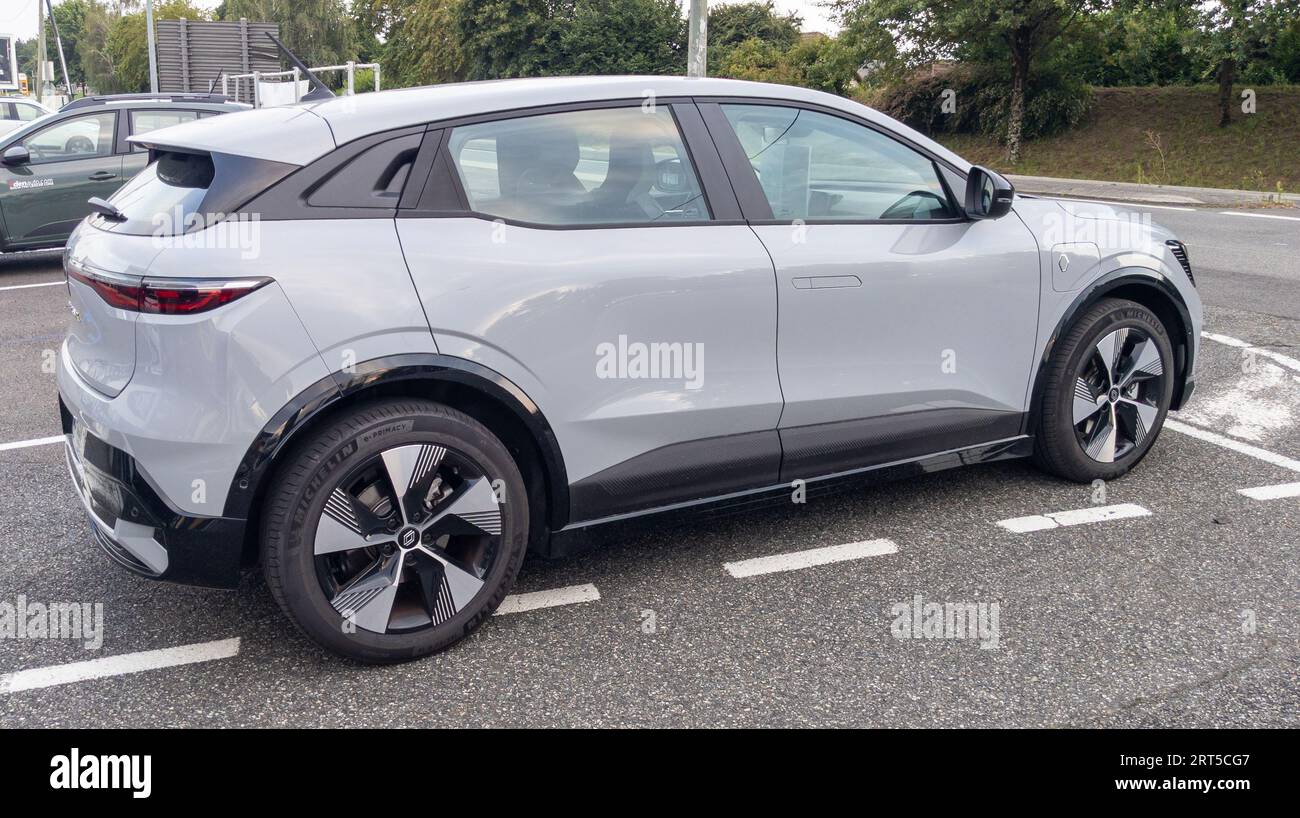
16 155
988 195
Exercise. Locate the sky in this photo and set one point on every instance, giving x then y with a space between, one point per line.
18 17
815 18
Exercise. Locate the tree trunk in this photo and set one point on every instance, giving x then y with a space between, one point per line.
1016 121
1227 73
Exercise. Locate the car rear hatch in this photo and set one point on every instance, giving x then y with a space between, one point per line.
181 193
101 337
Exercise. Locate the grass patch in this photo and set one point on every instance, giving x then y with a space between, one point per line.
1164 136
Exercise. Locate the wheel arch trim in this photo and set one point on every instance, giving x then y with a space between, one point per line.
427 368
1147 278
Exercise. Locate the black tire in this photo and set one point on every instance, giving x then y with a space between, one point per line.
310 474
1057 447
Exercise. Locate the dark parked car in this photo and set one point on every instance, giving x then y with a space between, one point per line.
53 164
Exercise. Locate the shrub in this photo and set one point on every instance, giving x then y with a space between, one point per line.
983 102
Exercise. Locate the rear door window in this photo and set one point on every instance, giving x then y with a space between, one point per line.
143 122
604 166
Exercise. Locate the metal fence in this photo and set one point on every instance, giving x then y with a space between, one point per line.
194 53
250 87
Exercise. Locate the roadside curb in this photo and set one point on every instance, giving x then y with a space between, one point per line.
1152 194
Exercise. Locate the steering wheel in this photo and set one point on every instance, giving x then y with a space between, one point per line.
79 144
898 205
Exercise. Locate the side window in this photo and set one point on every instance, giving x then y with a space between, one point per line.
821 167
81 137
608 166
373 178
146 121
27 113
7 110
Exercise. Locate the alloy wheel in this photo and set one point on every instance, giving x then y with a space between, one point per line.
1117 394
407 538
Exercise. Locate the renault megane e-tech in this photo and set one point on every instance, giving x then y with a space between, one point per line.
385 345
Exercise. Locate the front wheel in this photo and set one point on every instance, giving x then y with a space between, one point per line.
395 531
1109 385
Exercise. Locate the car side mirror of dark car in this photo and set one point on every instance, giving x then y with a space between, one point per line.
988 195
16 155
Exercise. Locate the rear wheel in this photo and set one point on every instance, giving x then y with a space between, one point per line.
1108 389
395 531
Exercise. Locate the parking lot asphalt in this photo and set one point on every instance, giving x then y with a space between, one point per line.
1178 609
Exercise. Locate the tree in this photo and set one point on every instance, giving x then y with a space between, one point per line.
619 37
737 23
820 62
25 52
420 45
71 18
1013 32
320 32
111 45
1237 31
113 50
504 38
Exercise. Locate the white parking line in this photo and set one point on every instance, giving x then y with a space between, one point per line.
1227 340
23 444
1081 516
117 665
1276 492
30 286
796 560
1230 443
1259 215
572 595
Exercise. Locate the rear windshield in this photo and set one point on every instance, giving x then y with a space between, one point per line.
182 192
166 198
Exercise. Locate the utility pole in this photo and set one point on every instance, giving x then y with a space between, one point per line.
153 55
698 43
58 44
39 88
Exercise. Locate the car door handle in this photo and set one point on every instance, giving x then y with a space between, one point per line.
825 282
102 176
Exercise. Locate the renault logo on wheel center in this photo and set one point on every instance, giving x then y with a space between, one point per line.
408 538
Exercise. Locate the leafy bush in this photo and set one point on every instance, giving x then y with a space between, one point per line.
821 63
983 102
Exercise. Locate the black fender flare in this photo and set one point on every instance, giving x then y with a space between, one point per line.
1159 284
298 413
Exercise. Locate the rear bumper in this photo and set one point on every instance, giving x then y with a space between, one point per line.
133 524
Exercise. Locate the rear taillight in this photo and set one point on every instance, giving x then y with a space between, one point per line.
163 296
118 291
